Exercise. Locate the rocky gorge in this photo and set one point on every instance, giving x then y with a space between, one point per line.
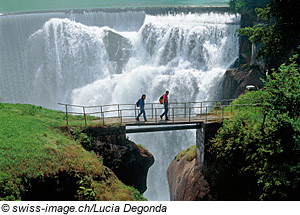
129 161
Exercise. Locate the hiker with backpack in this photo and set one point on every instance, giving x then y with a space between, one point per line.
141 103
165 101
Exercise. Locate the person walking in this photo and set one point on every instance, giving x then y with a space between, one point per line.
165 105
141 104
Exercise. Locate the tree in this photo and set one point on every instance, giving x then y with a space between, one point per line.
247 6
279 34
247 9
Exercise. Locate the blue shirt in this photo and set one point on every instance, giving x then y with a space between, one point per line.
142 103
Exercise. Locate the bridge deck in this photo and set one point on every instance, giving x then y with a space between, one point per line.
177 120
156 122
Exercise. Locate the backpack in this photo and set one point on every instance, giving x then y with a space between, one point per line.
161 99
138 103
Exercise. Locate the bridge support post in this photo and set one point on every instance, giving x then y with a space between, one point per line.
200 143
204 133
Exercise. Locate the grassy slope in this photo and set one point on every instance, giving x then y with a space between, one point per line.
32 146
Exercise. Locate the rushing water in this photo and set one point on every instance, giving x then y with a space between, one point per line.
98 58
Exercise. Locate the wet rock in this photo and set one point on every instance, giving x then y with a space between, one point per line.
187 182
118 49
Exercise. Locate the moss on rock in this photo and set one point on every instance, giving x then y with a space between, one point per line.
189 154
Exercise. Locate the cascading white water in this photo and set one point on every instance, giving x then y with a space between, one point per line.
44 56
93 59
185 54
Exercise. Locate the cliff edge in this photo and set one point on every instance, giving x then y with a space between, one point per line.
186 179
129 161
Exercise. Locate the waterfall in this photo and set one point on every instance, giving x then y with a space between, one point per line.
99 58
44 56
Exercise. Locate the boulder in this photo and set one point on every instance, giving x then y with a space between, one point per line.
186 181
236 80
130 163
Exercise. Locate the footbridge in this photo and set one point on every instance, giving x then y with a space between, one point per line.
182 115
204 116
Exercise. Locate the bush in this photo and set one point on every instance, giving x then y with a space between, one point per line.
264 153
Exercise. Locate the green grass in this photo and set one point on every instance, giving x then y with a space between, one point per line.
188 154
249 105
33 146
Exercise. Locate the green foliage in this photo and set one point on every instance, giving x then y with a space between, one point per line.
8 190
85 190
283 90
247 6
264 153
217 106
85 140
278 35
136 194
247 105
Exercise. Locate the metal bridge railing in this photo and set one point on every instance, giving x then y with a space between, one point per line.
178 111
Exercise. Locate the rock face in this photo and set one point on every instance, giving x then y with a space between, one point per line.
248 72
112 134
118 49
236 80
129 162
187 182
